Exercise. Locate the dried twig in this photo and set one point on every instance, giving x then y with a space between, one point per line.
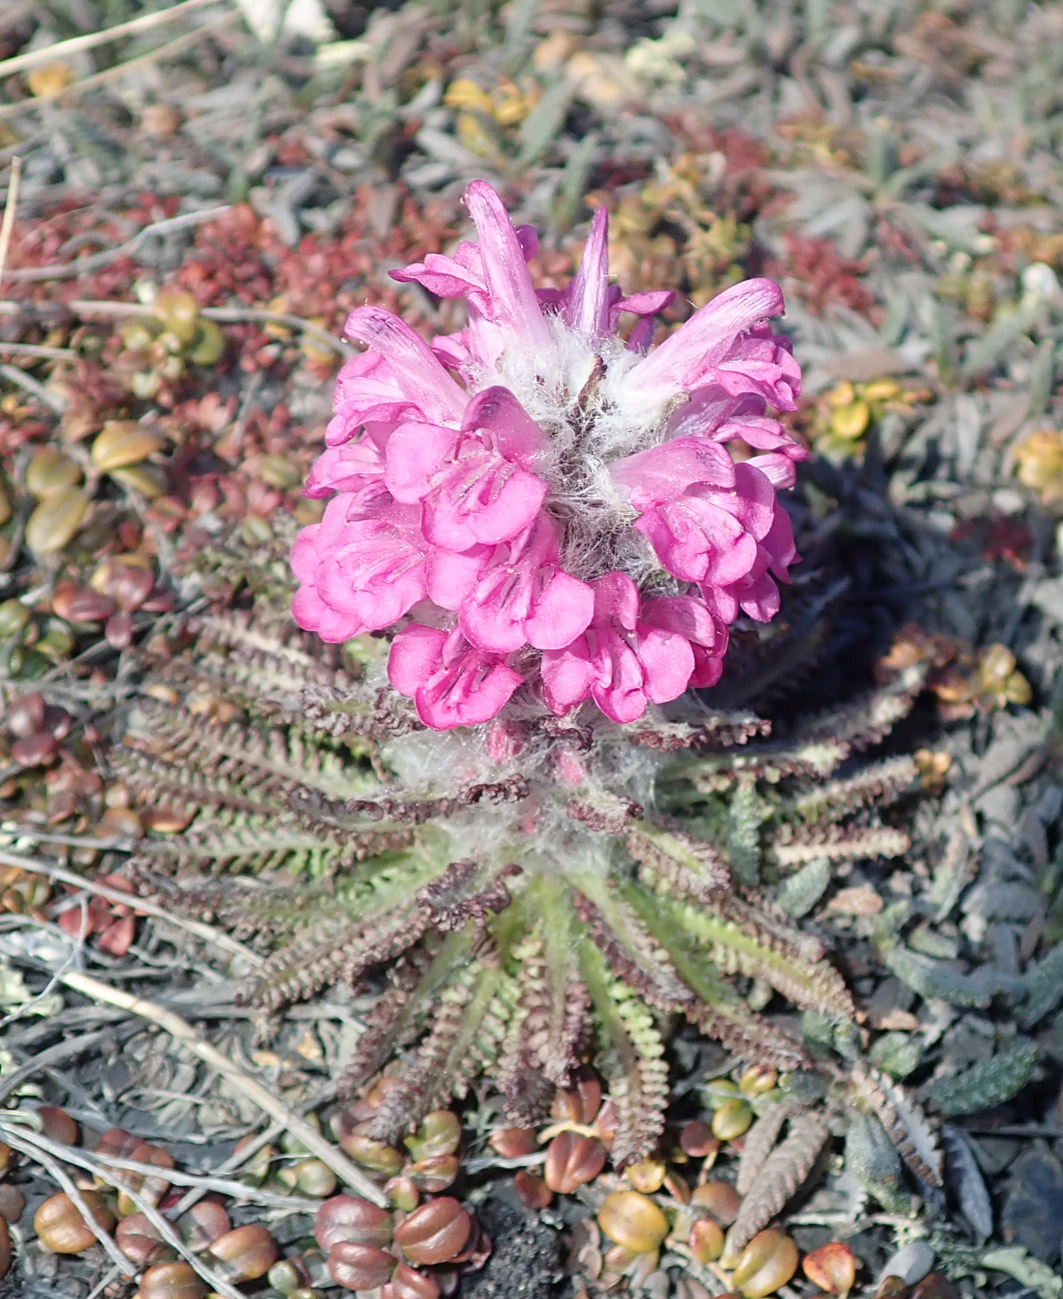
93 261
8 223
63 49
38 1147
170 48
205 1181
253 1090
36 349
87 307
197 927
19 1139
43 394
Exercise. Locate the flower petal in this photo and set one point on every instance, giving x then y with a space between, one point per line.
516 434
587 307
512 300
687 356
662 474
415 369
415 654
667 661
415 455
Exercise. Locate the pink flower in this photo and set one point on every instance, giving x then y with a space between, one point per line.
692 619
358 574
508 485
620 661
710 534
474 481
355 467
524 597
726 345
492 276
756 594
451 682
590 304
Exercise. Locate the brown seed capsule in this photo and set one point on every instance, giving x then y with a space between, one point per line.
697 1141
13 617
580 1102
892 1287
732 1119
159 120
119 823
935 1285
127 581
117 1143
57 1125
720 1198
207 344
171 1281
832 1267
766 1264
245 1252
647 1176
435 1174
35 750
139 1240
402 1193
123 442
513 1143
203 1224
50 471
289 1275
359 1267
408 1283
757 1080
5 1249
61 1228
349 1217
314 1177
706 1240
149 1189
632 1220
179 313
677 1186
572 1160
12 1203
137 335
81 603
434 1233
55 520
532 1190
149 480
364 1150
25 714
439 1133
118 630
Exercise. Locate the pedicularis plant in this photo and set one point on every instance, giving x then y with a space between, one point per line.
529 828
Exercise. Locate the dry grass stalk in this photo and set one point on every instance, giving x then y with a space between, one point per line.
183 1032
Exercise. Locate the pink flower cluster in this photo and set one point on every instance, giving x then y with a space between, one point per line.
452 507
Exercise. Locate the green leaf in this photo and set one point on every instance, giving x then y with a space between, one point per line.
989 1082
1028 1271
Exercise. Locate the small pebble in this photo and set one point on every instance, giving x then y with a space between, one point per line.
911 1263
